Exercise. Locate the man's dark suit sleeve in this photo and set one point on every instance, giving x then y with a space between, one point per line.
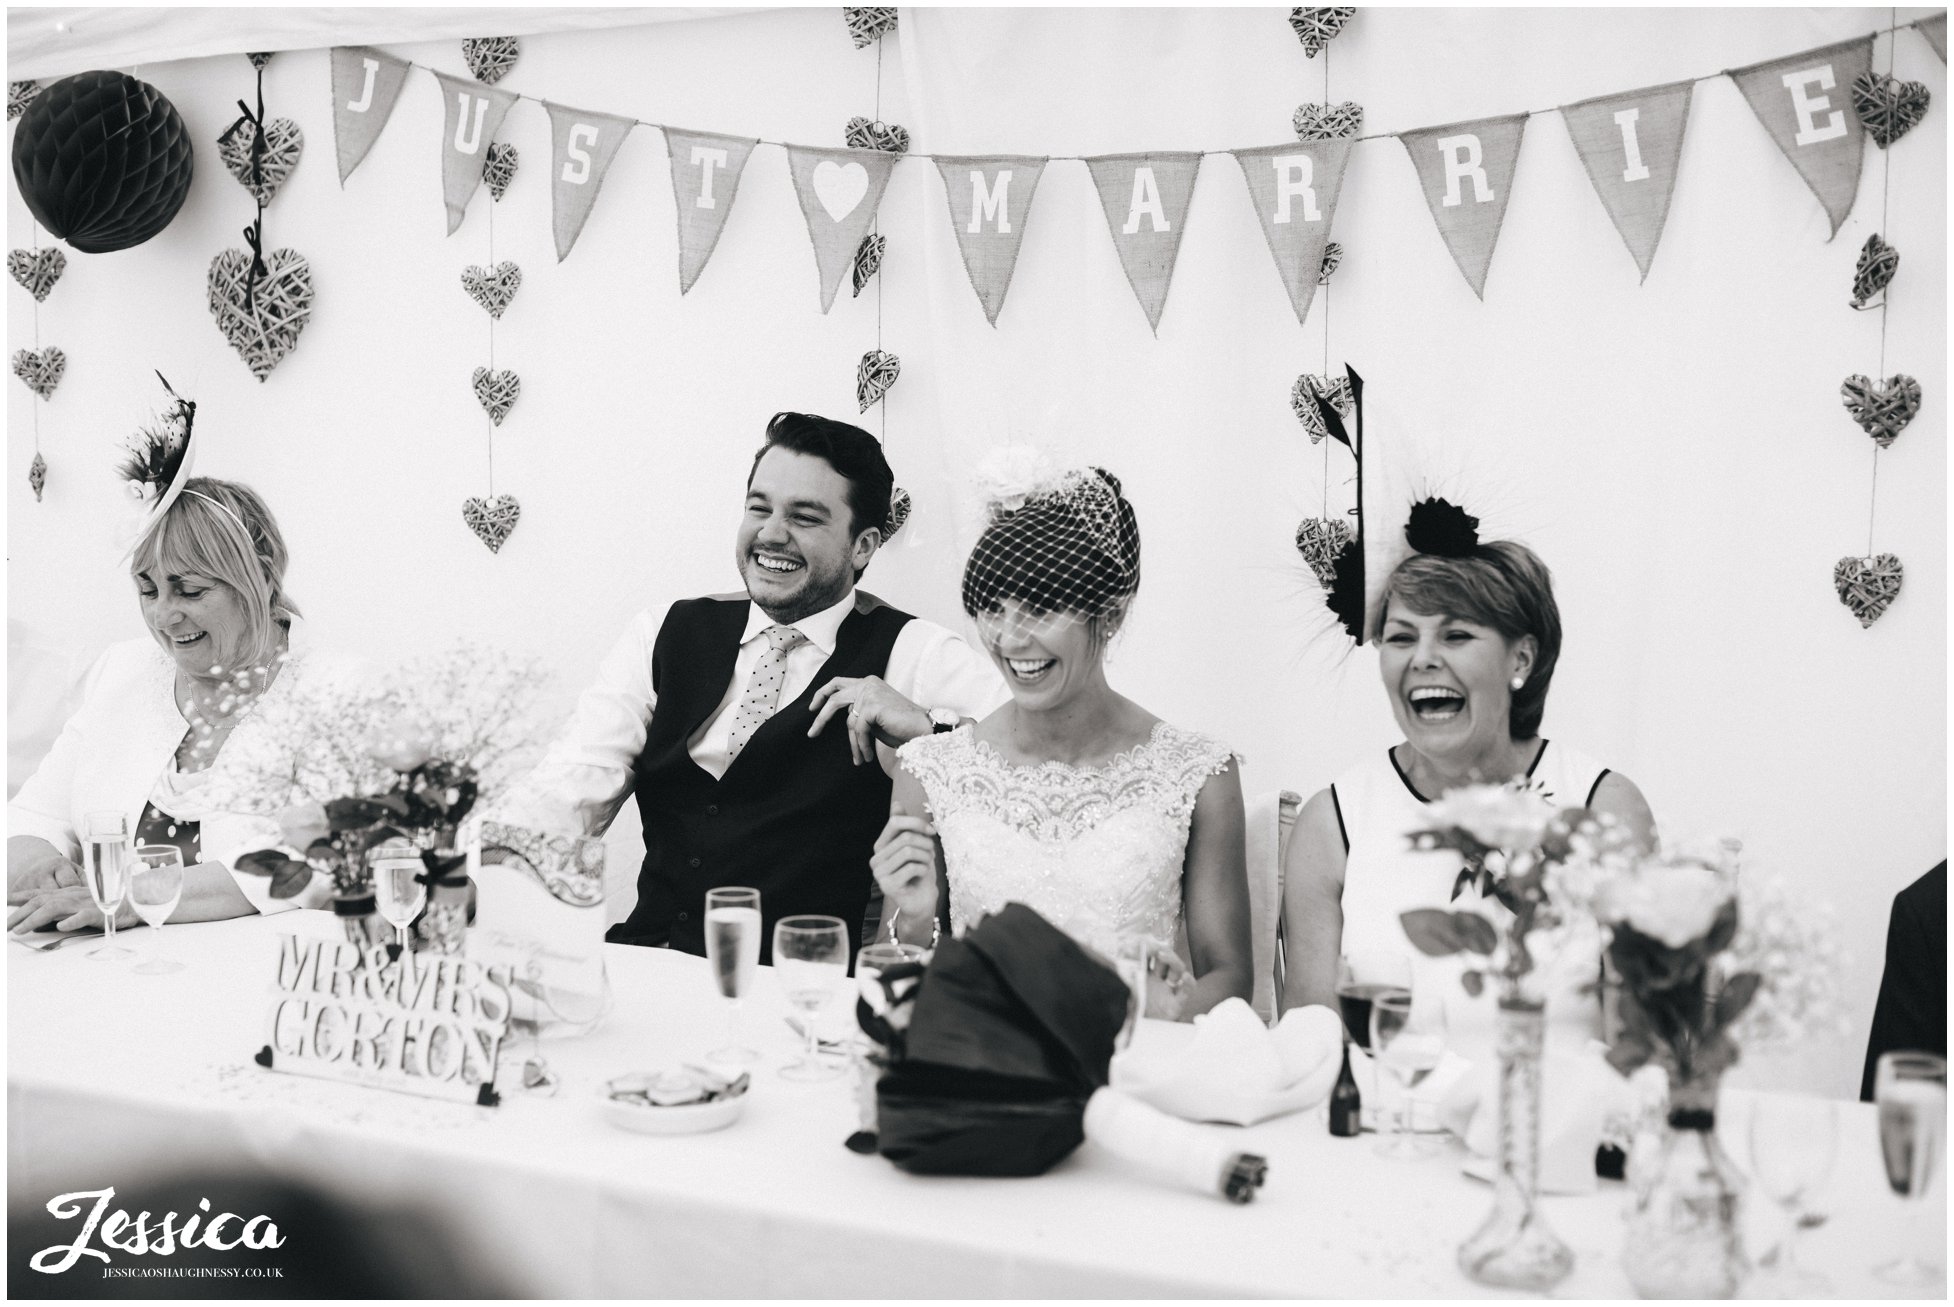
1911 1012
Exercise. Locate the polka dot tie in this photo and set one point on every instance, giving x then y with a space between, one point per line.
762 695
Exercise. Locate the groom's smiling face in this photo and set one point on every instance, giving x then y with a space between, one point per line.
797 548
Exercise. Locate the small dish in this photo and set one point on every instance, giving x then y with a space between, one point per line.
678 1100
686 1119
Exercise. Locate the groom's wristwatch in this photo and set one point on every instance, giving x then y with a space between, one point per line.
944 720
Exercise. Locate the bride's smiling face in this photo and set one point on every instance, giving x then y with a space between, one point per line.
1046 655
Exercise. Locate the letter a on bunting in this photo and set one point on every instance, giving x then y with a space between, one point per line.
472 115
365 84
839 192
1630 143
1294 189
1805 103
582 145
1466 171
1145 197
705 177
990 202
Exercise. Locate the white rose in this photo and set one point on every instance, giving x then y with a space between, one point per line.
1498 816
1673 903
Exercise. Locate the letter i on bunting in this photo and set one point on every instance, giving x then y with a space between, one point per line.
839 191
1630 144
365 84
582 145
1466 171
1294 189
472 113
1145 197
990 202
1804 102
706 171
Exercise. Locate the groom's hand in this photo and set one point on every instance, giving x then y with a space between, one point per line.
875 712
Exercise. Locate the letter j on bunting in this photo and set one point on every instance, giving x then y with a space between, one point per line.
472 113
990 203
1631 143
365 84
1466 172
1145 197
839 191
1294 189
1805 103
582 145
706 171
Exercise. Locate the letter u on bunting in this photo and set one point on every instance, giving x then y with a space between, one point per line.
1466 170
1145 197
1294 189
1805 103
840 191
990 203
472 113
365 84
705 177
582 145
1630 144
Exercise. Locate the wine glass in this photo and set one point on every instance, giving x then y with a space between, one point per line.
733 952
810 955
1911 1089
1358 986
105 866
402 894
870 963
155 886
1793 1141
1407 1040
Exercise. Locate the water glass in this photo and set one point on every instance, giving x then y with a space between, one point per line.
1911 1089
155 887
810 956
105 868
1793 1142
1407 1041
733 954
401 893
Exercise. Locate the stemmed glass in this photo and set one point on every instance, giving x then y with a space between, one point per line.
155 886
1793 1141
733 952
1911 1089
1407 1039
105 866
870 963
402 894
810 955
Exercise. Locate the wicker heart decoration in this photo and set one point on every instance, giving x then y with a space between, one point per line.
280 304
1316 28
866 134
1882 410
1319 540
492 289
873 377
19 96
866 26
1868 586
37 475
492 519
868 259
497 392
899 506
1888 108
498 168
40 369
1302 399
284 142
1328 122
37 270
490 57
1332 259
1878 261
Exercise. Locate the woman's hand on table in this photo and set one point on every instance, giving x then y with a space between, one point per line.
67 908
1169 983
35 866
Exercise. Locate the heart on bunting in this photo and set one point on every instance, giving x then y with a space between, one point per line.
1868 586
37 475
492 290
1878 261
262 319
1303 396
868 134
498 168
490 58
497 392
40 369
1888 108
866 26
899 507
1328 122
839 187
1316 28
868 259
19 96
873 377
284 142
1332 259
1882 409
492 519
1319 540
37 270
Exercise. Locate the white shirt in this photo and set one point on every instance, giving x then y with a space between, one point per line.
586 774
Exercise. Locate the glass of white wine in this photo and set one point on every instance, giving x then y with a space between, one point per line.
733 954
1407 1039
401 893
105 867
1911 1089
1793 1142
810 955
155 888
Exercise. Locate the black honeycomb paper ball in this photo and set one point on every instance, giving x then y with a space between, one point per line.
102 160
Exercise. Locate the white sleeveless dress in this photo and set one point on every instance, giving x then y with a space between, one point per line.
1097 851
1384 876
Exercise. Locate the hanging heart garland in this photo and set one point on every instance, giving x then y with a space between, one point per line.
40 369
261 58
19 96
490 58
1868 586
493 520
283 144
1302 400
37 475
492 289
868 259
1319 540
1332 259
1882 409
1878 261
261 320
1888 108
877 372
899 506
498 168
869 134
1328 122
866 26
1316 28
497 392
37 270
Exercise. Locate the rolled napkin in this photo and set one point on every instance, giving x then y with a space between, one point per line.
1205 1161
1235 1069
1578 1092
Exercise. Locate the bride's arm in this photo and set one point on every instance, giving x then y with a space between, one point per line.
1214 889
1312 906
908 865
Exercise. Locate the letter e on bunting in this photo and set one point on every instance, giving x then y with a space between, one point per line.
1294 189
1466 172
1805 103
990 202
582 145
1145 197
1630 144
839 191
706 171
365 84
472 113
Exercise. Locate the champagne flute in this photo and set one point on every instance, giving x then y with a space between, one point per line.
155 886
1793 1141
733 954
1408 1039
105 866
1911 1089
402 894
810 955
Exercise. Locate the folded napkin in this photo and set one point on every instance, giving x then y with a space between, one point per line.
1235 1069
1380 1104
46 941
1578 1092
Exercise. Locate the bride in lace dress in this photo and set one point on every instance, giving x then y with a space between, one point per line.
1071 798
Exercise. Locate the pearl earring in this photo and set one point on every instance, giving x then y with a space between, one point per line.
1519 681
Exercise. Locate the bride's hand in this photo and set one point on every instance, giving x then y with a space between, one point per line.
904 863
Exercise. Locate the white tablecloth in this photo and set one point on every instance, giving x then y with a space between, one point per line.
113 1074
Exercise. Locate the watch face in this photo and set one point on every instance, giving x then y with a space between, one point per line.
943 719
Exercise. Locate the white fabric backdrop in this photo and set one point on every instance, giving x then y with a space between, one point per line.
1675 450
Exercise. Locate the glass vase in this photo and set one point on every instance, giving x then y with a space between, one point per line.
359 915
1684 1234
1514 1248
442 926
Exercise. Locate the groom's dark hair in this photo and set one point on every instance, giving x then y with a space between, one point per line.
851 451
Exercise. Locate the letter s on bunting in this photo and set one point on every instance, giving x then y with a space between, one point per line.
582 144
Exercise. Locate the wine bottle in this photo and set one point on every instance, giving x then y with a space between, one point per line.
1346 1104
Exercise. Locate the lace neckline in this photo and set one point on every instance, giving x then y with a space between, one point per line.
1054 766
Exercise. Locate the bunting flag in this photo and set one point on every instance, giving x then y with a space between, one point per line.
990 202
1145 197
472 113
1630 144
840 191
582 145
1935 30
705 177
1804 102
1466 170
365 84
1294 189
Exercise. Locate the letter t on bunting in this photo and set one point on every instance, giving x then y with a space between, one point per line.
840 191
1145 197
1804 102
472 114
582 145
365 84
1631 143
1466 170
990 203
1294 189
705 177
